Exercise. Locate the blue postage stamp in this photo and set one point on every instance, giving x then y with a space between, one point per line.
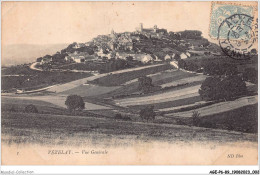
223 12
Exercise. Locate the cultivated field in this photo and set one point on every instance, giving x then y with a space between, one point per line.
160 98
63 130
174 99
53 100
119 78
219 107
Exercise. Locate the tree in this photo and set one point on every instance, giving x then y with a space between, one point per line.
232 86
147 113
39 59
214 88
191 66
182 64
250 74
145 84
177 57
59 57
71 48
87 49
229 69
129 58
47 56
226 69
208 89
118 117
74 103
31 109
191 34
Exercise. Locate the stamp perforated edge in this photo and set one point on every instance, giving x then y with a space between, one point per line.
255 13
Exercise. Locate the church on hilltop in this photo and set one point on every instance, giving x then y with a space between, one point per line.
151 32
125 41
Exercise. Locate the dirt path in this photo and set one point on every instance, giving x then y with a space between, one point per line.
73 84
184 81
33 67
160 98
219 107
59 99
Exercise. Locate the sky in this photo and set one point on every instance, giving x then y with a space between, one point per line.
67 22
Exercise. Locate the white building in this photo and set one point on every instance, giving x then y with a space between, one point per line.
183 56
167 57
46 60
79 59
143 58
68 58
188 54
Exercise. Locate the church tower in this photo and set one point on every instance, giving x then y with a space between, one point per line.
141 27
113 34
155 28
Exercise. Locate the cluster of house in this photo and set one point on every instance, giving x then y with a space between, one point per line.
79 57
82 57
121 41
101 40
46 60
124 41
120 46
145 58
123 55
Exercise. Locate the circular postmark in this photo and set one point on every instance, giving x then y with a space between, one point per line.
236 37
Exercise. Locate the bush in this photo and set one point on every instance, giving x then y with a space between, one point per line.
195 118
126 118
31 109
188 65
145 84
180 122
118 117
191 66
207 124
74 103
182 64
229 123
147 113
250 74
12 109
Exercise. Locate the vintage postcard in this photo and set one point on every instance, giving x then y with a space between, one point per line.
129 83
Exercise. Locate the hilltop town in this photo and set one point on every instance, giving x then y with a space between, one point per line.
118 51
143 46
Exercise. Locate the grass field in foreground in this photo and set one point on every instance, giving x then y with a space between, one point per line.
20 128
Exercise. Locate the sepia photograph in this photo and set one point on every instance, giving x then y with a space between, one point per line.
129 83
